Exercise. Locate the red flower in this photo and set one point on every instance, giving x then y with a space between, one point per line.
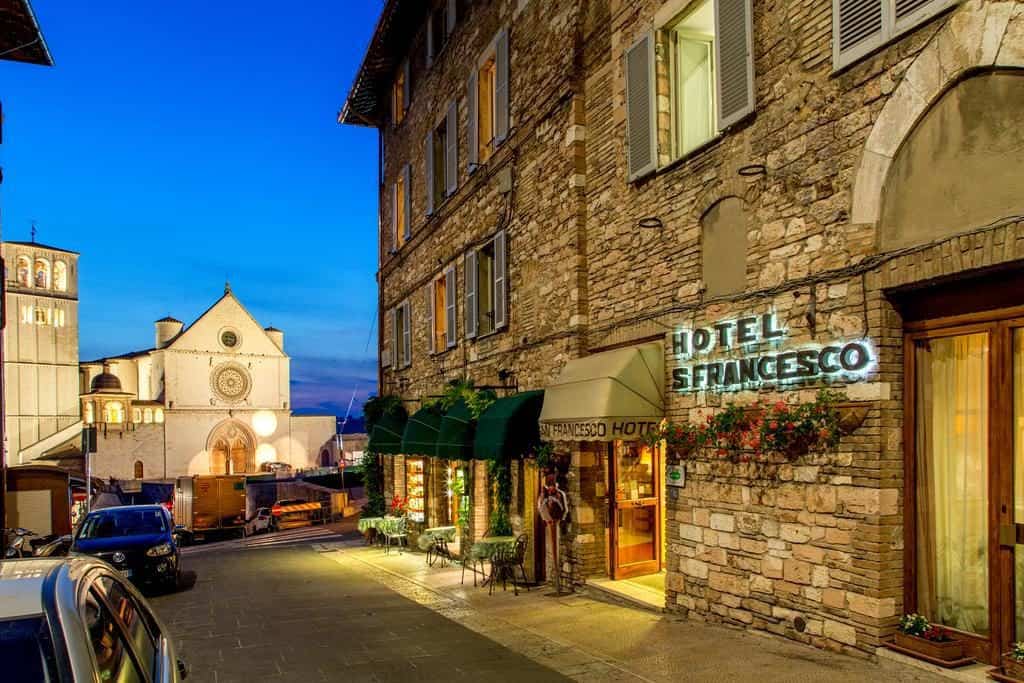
780 406
790 426
711 418
773 425
824 434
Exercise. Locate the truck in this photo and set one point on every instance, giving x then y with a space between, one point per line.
209 505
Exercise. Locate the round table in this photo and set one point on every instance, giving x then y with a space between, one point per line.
485 548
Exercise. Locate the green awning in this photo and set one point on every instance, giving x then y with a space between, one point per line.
509 428
455 438
420 436
386 435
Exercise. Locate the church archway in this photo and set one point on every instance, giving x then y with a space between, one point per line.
232 448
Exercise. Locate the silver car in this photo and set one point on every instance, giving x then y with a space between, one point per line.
77 619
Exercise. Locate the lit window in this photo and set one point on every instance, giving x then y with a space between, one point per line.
692 69
399 94
158 415
440 303
486 84
42 273
113 412
24 271
90 413
41 315
147 415
60 276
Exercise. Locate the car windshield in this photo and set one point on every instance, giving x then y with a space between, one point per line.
26 650
113 523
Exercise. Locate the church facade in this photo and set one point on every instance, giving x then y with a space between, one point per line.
210 398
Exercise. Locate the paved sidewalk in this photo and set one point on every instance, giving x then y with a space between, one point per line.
591 640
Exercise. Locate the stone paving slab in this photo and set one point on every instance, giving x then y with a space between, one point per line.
590 640
287 614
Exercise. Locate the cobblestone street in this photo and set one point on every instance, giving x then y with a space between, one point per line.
333 610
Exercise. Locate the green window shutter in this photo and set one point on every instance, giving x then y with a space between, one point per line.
641 136
734 54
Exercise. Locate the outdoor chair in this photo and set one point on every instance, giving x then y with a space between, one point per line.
466 557
438 551
506 561
396 533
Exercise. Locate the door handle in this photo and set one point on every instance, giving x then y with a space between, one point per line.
1011 535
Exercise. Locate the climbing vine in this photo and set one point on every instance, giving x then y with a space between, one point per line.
500 473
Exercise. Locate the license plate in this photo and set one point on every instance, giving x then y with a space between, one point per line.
126 573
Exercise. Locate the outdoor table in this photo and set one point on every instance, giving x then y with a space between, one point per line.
427 538
371 526
485 549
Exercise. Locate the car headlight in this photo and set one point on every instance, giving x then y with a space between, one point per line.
159 550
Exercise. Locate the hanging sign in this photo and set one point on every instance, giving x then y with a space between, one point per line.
850 360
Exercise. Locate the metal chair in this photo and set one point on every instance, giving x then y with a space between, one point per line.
505 562
395 533
466 557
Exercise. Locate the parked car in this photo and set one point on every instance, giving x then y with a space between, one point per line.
75 620
136 540
258 522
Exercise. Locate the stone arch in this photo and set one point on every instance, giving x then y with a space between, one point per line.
978 36
232 448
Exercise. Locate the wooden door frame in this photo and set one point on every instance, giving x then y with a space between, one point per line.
999 326
638 569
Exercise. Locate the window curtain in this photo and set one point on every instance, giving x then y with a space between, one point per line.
952 481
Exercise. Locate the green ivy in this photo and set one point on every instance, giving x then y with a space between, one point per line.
500 473
478 400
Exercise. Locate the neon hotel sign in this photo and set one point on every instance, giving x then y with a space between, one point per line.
849 361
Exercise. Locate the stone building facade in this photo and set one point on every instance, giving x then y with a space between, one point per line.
672 165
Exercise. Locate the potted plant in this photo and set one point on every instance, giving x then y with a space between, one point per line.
1013 661
918 636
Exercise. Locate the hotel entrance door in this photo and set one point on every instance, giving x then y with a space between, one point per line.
635 484
964 518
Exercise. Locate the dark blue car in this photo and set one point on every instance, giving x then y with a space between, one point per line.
136 540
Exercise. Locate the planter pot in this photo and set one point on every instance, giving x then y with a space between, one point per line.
1013 668
947 651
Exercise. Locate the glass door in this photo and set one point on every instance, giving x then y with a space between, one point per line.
635 510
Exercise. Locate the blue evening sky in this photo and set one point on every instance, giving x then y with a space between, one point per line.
176 144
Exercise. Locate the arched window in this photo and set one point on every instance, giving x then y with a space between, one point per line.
138 469
24 271
42 273
158 415
147 415
113 412
60 276
90 412
136 415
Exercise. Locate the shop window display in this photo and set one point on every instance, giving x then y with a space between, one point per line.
415 489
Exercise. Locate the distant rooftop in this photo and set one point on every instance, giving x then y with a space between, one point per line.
21 40
40 245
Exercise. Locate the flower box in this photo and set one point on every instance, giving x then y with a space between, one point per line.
1012 667
944 650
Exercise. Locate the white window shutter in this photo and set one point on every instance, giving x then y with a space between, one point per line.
407 334
451 155
394 217
500 280
408 203
389 325
450 307
428 163
452 15
734 57
501 87
858 27
406 86
641 135
471 292
474 126
430 316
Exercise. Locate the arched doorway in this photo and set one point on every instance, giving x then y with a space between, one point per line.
232 449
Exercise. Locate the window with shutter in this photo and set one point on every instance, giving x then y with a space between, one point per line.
502 118
400 94
407 204
438 296
641 137
396 338
452 15
399 209
861 26
431 317
428 163
471 295
735 52
451 157
388 342
500 280
449 298
473 143
406 334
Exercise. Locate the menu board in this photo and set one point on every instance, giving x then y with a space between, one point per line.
415 490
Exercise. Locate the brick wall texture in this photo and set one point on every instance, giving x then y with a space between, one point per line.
810 550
